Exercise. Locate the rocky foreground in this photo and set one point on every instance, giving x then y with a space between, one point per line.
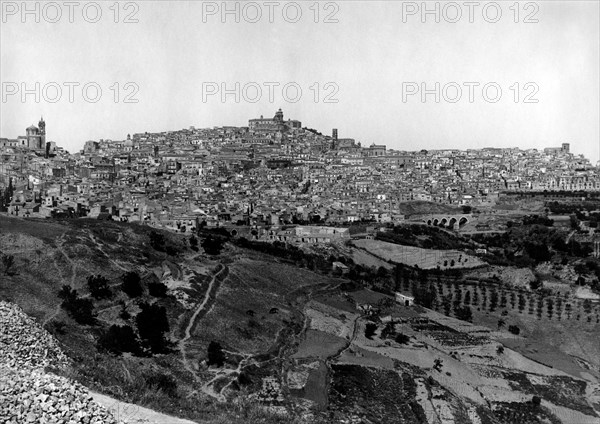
28 394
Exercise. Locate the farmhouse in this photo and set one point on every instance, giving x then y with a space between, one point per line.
405 300
338 266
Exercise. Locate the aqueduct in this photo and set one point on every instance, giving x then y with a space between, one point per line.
452 222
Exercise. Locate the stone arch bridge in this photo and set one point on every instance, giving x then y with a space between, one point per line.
450 221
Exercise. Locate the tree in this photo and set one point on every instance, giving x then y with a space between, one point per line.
132 285
425 297
438 364
389 330
370 330
500 350
157 289
118 339
152 323
215 354
212 245
7 196
493 300
157 241
464 313
81 310
8 261
402 338
522 302
194 243
98 286
514 329
536 400
124 314
67 294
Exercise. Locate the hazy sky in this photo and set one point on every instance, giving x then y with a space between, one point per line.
178 51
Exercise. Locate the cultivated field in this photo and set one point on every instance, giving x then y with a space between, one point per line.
415 256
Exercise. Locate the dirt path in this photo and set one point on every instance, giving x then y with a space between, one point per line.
135 414
101 249
192 322
59 246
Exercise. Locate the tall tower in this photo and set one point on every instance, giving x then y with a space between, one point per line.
278 116
42 127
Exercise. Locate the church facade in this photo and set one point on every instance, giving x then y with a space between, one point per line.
275 124
34 138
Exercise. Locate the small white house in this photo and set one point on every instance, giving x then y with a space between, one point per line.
404 299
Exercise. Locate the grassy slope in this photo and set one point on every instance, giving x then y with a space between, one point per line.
50 254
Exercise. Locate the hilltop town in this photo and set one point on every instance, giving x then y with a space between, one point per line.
272 172
298 277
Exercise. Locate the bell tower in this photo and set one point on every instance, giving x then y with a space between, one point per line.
42 127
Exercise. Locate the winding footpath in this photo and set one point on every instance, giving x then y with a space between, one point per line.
192 322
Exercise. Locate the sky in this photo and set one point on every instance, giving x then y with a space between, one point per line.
368 68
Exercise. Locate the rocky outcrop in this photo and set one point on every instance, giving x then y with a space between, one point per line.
24 344
28 394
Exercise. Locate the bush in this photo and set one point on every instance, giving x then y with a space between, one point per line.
370 330
194 243
163 382
119 339
536 400
157 289
132 285
514 329
81 310
212 245
124 314
215 354
98 286
157 241
402 338
56 327
8 261
152 323
464 313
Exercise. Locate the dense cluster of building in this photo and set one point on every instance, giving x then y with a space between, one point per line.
270 172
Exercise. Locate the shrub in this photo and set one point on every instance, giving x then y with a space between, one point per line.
124 314
98 286
194 243
152 323
132 285
8 261
402 338
370 330
514 329
212 245
163 382
157 289
215 354
118 339
464 313
157 241
56 327
536 400
81 310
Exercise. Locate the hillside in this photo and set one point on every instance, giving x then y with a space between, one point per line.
255 338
